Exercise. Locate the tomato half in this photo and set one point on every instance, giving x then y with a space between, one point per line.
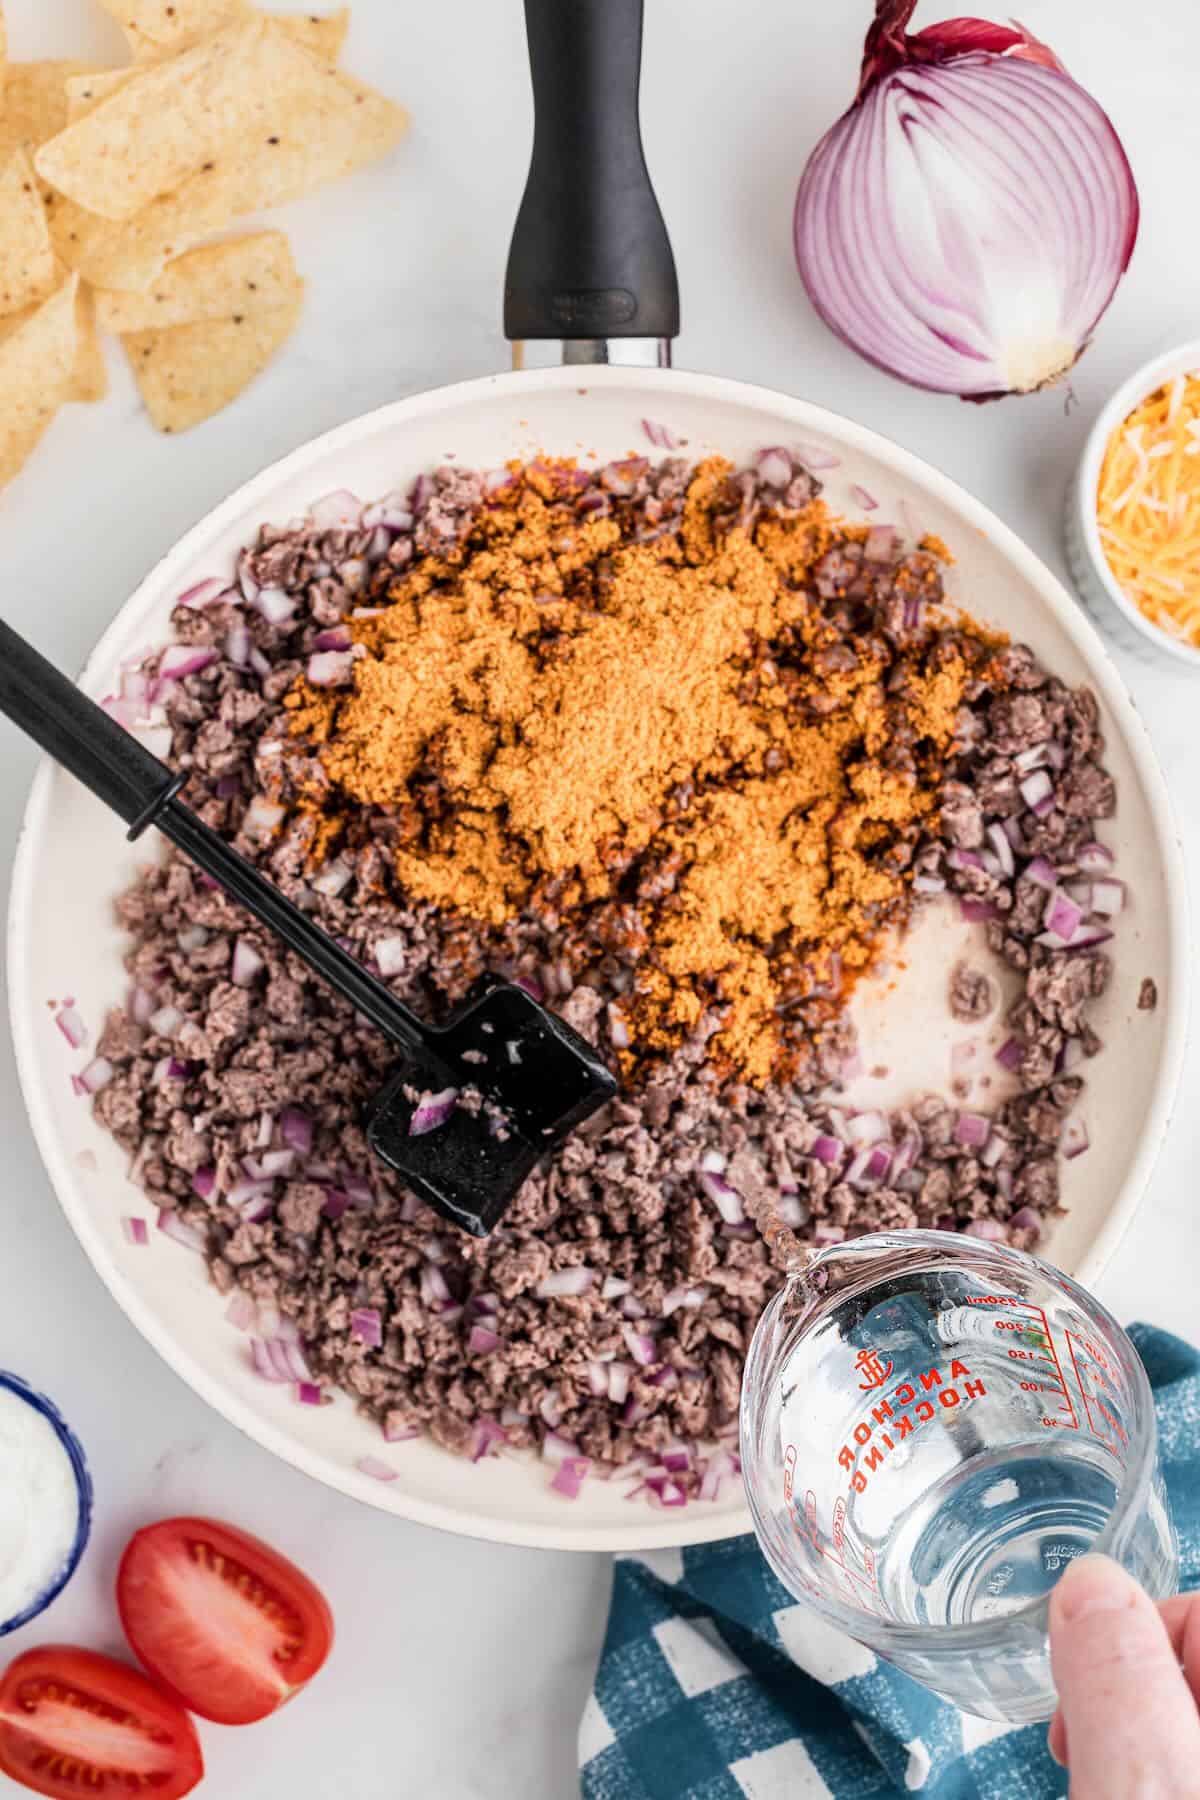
75 1723
228 1626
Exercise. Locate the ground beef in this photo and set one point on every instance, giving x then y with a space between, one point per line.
215 1090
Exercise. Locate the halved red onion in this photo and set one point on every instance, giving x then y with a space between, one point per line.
863 497
70 1023
330 668
97 1075
338 511
136 1230
172 1226
366 1325
640 1347
391 955
570 1475
1075 1138
972 1130
179 660
774 467
274 605
565 1283
727 1200
660 435
432 1110
245 963
377 1470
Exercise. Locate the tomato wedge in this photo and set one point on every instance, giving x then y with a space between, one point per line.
227 1625
75 1723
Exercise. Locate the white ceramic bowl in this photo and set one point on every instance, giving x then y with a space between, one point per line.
73 861
1099 588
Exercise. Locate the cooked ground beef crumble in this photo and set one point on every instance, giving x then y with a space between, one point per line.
238 1092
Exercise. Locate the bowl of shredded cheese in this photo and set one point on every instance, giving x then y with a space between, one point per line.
1133 515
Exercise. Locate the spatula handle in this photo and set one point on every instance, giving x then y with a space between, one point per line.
590 256
80 735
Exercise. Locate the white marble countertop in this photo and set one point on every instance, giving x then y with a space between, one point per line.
461 1668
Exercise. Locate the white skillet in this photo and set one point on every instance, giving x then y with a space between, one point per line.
72 862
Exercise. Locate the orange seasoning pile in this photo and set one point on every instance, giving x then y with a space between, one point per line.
668 745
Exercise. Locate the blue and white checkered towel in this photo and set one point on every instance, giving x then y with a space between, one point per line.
715 1685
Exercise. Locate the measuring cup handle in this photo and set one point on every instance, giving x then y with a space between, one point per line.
590 257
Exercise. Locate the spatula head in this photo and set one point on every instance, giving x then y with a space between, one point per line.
537 1077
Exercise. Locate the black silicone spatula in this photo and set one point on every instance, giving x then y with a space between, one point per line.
538 1077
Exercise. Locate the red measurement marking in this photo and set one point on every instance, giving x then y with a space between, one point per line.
1067 1418
1116 1433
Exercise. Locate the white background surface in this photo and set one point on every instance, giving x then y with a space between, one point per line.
461 1668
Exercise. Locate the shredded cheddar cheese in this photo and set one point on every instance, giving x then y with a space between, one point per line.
1148 506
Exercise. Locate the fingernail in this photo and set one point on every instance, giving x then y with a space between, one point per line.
1093 1584
1054 1756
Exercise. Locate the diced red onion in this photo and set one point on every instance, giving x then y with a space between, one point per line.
434 1291
141 1005
677 1460
597 1375
555 1448
136 1230
1095 859
813 456
631 1307
1036 788
337 637
1003 849
957 858
1026 1220
994 1150
245 964
866 1128
165 1021
660 435
262 668
862 497
828 1150
431 1111
238 645
714 1162
274 605
332 879
860 1172
309 1394
640 1347
261 818
774 468
1108 897
727 1200
330 668
972 1130
1043 874
1004 1183
296 1129
1062 916
1071 1056
1075 1138
719 1467
203 593
1035 757
928 884
338 511
69 1022
367 1326
824 1234
667 1492
172 1226
393 511
1010 1054
618 1382
570 1475
377 1470
203 1183
613 1287
565 1282
97 1075
618 1031
880 545
251 1198
178 660
242 1312
391 955
488 1438
976 912
988 1230
400 1434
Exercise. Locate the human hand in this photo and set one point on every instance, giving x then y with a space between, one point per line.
1128 1679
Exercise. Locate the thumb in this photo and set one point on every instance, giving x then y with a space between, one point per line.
1131 1722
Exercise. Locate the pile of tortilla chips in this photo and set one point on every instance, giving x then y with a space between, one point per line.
112 180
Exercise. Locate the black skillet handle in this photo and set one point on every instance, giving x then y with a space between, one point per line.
80 735
590 256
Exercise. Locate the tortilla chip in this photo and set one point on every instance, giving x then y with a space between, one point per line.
83 92
37 359
237 275
89 378
170 119
332 126
29 269
191 371
33 106
173 24
320 36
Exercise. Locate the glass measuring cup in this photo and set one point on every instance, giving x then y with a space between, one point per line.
932 1428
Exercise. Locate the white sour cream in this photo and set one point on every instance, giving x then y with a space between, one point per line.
39 1505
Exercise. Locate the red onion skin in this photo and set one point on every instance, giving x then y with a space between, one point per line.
889 46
